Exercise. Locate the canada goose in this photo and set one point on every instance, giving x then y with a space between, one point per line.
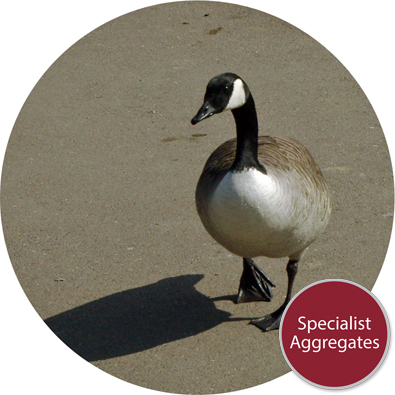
258 196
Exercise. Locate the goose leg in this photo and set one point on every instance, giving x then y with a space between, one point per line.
255 285
272 321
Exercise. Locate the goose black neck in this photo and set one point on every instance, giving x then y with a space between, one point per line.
247 137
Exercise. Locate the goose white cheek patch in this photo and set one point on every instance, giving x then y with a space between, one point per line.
238 97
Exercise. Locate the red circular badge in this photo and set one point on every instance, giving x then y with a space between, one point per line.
334 334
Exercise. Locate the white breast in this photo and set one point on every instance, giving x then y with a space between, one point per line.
251 215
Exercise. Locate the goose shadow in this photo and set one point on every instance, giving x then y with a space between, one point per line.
138 319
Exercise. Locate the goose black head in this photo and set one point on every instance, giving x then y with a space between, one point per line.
224 92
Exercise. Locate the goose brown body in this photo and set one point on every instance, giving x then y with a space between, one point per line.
297 210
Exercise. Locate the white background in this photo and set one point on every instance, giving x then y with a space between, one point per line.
35 33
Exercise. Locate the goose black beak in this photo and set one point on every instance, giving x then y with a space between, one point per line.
206 111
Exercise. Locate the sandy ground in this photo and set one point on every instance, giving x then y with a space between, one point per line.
98 191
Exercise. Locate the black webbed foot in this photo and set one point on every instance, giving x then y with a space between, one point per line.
270 321
255 285
273 320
